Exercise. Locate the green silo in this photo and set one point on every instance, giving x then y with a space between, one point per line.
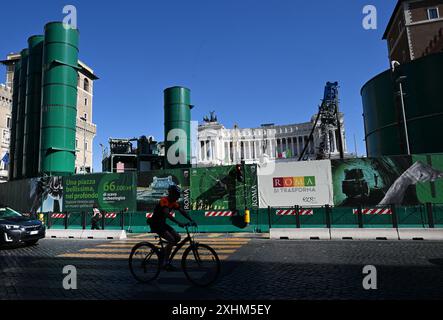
31 140
59 100
15 91
423 102
19 125
177 116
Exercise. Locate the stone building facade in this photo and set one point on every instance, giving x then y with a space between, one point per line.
5 129
218 145
415 29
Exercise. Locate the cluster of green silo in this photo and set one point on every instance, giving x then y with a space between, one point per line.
59 100
33 107
15 91
422 84
20 118
177 126
45 104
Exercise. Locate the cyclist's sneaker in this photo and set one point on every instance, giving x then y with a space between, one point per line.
170 268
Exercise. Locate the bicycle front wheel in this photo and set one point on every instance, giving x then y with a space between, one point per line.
201 265
144 262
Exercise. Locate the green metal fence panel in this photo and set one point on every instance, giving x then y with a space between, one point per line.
75 220
56 220
438 215
112 220
412 217
343 217
136 222
283 218
377 217
260 219
207 223
316 219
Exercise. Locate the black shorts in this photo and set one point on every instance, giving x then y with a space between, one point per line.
166 232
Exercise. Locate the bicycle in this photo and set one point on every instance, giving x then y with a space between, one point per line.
200 263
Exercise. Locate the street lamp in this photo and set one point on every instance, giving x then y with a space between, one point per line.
84 145
399 81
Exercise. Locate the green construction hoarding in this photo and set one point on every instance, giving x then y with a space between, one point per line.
218 188
109 192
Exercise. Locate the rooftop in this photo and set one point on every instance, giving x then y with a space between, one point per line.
391 21
85 69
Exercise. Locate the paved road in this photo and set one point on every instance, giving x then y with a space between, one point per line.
253 268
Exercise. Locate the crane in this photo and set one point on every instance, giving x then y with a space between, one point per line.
327 120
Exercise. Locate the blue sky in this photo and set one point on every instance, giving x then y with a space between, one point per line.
253 62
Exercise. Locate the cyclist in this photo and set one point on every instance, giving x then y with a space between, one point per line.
158 222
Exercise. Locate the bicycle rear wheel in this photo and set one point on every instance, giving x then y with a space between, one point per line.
144 262
201 265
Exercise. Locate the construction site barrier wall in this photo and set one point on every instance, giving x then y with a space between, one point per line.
425 216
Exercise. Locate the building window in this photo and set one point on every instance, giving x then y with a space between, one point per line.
85 116
433 13
8 122
86 101
86 85
76 143
86 146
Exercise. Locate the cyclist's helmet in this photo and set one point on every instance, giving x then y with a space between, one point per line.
174 191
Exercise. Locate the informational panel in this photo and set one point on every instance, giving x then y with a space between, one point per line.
153 185
307 183
108 191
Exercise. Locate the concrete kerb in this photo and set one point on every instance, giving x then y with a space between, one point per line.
85 234
364 234
420 234
300 234
357 234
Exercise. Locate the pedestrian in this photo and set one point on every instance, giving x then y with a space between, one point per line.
96 216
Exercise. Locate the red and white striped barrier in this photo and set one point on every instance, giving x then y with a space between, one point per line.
292 212
150 214
374 211
111 215
58 215
220 214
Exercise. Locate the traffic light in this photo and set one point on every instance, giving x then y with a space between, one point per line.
239 173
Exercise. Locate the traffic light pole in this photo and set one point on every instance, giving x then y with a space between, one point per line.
243 166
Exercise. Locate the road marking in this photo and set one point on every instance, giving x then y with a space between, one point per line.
128 251
120 256
201 240
131 245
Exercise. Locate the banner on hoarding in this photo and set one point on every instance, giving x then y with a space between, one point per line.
296 183
218 188
43 194
399 180
108 191
153 185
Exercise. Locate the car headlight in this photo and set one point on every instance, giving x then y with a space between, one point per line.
11 227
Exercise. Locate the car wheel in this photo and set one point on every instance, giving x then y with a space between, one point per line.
31 243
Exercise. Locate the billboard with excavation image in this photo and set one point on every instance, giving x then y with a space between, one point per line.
399 180
153 185
307 184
